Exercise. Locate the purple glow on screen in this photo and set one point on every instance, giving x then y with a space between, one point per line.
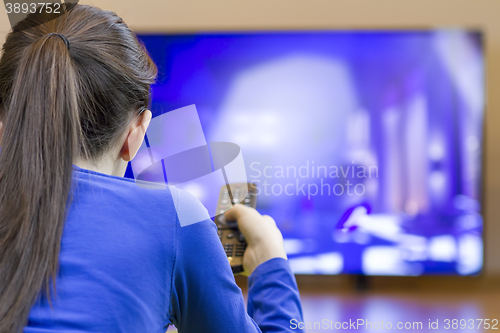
331 121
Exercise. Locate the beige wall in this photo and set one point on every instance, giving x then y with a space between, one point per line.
167 15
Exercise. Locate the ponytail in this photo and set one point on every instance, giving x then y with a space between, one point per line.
69 85
40 142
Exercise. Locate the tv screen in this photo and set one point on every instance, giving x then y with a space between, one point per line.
366 146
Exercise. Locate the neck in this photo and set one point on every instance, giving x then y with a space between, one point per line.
107 166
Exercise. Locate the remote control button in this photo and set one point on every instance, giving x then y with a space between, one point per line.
224 201
222 219
230 235
229 251
246 200
240 250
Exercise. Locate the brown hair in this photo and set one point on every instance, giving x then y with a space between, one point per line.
57 104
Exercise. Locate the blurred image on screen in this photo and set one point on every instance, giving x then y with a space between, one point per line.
387 126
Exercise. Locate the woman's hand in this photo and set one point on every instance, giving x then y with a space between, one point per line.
264 239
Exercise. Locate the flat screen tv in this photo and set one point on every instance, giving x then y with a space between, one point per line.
366 146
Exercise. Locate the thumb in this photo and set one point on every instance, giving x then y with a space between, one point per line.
246 217
235 213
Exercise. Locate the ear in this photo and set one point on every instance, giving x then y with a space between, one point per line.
135 136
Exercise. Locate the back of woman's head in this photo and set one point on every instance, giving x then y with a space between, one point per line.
58 102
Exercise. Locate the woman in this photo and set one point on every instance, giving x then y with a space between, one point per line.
83 249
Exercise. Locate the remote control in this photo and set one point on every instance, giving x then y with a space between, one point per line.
232 240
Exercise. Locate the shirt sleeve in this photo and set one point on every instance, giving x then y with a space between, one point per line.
273 297
205 297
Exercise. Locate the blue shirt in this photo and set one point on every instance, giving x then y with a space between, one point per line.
126 265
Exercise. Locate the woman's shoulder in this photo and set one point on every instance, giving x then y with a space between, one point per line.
147 197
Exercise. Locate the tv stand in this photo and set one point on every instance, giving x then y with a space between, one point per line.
361 283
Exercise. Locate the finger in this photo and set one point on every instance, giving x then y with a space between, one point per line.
269 219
